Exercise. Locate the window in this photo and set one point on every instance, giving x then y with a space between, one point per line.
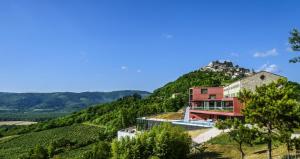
199 104
206 104
228 104
191 94
204 91
212 96
262 77
211 104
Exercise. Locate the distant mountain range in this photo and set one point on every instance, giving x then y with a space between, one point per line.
62 102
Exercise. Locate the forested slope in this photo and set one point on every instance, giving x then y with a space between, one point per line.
122 113
35 106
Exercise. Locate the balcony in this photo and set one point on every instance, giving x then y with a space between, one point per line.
214 109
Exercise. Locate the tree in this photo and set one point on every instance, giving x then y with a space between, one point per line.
38 152
242 135
223 124
270 107
51 150
162 141
286 137
100 151
239 133
294 40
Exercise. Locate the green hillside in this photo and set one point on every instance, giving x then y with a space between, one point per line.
35 106
76 134
119 114
110 117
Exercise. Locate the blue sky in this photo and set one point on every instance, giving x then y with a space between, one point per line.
77 45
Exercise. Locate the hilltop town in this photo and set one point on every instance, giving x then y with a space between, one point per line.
228 68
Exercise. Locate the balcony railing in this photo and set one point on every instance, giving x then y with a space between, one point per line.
219 109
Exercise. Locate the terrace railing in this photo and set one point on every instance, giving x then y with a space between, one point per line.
221 109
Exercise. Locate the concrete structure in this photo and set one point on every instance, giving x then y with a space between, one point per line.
208 135
128 132
220 103
209 103
250 83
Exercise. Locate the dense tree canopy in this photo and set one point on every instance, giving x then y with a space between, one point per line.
242 134
101 150
272 108
163 141
295 44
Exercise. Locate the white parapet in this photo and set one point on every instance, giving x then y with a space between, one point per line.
128 132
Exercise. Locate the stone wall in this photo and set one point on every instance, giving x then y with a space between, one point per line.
258 79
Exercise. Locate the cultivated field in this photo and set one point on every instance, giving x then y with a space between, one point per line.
16 123
14 146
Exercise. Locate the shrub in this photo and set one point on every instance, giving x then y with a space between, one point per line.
162 141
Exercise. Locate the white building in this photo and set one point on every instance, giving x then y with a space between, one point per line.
128 132
250 83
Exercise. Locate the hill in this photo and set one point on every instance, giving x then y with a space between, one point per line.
36 105
119 114
116 115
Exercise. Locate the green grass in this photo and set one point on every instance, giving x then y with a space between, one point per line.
197 132
222 139
169 116
7 138
222 147
20 145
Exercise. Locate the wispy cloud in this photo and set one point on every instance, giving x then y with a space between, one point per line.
167 36
139 71
270 68
124 68
272 52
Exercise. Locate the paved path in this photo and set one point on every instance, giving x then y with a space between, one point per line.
213 132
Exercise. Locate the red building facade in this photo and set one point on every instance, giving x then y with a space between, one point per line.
210 103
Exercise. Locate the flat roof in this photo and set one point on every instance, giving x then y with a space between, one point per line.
206 87
217 99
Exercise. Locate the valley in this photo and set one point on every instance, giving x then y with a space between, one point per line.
45 106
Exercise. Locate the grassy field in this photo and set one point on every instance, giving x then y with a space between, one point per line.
169 116
223 148
13 146
197 132
16 123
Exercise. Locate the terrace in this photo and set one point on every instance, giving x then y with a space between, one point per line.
222 106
